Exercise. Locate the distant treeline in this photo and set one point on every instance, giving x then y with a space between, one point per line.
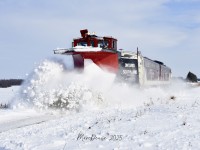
4 83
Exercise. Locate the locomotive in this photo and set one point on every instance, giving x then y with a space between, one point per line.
130 67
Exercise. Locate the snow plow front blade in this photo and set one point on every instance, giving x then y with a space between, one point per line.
104 59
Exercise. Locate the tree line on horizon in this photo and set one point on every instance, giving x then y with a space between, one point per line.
4 83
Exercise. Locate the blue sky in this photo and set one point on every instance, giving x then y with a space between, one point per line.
165 30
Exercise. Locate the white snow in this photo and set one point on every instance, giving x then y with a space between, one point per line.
86 48
95 113
7 94
77 49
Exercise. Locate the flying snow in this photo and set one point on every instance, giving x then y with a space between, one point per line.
52 85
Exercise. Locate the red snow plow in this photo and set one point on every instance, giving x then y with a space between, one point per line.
101 50
128 66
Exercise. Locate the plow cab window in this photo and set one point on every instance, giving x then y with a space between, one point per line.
82 44
114 44
90 43
102 44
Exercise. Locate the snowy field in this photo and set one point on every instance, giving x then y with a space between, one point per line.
59 110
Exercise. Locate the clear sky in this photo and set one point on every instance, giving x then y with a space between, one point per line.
165 30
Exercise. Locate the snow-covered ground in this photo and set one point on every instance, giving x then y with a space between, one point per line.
7 94
58 110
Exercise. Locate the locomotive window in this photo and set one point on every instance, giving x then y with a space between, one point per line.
82 44
102 44
92 43
114 44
